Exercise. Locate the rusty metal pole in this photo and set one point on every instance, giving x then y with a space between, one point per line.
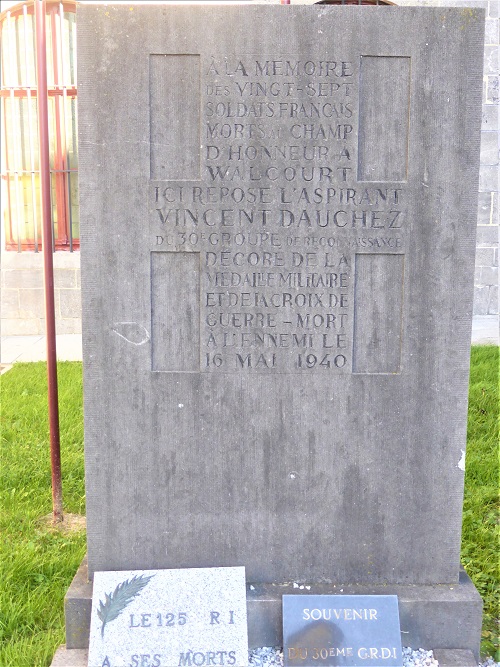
48 269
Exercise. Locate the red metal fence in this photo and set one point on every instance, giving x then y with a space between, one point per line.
20 159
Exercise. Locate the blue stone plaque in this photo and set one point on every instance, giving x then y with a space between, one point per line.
354 630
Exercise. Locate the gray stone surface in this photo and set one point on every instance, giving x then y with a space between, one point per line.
10 302
31 303
488 179
493 8
489 148
78 608
431 616
168 618
485 213
492 89
293 394
487 236
491 31
22 278
490 117
22 294
455 658
440 616
489 275
70 657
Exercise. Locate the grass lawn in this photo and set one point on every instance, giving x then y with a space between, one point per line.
38 562
481 517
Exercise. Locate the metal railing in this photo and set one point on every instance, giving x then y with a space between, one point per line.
20 160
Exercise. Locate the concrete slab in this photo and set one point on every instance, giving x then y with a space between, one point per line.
454 658
70 657
14 347
33 348
485 330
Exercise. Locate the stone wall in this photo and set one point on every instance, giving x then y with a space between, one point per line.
486 274
21 274
486 278
23 295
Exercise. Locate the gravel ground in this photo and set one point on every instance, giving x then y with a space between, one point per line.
489 662
272 656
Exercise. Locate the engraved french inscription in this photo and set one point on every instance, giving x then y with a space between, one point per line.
278 215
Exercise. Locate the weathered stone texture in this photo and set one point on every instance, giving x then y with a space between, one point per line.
268 374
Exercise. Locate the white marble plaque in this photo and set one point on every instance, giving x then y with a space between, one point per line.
169 618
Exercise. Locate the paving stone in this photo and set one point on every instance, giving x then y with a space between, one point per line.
65 278
71 303
491 60
491 35
493 8
10 303
489 148
23 278
489 275
492 89
481 299
31 303
487 236
489 179
485 257
490 116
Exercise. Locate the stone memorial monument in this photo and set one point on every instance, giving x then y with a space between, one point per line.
278 210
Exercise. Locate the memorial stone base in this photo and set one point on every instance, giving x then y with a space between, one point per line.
443 617
77 657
